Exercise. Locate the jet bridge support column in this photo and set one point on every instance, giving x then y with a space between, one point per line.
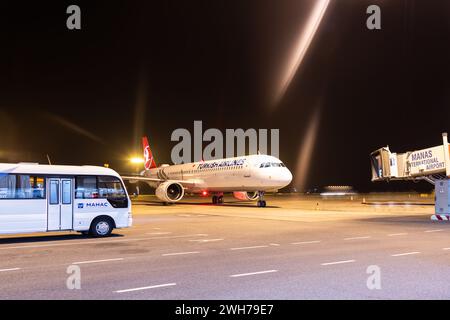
446 154
442 201
442 188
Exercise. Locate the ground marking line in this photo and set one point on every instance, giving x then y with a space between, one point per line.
252 273
10 269
404 254
97 261
100 241
357 238
206 240
397 234
435 230
158 233
245 248
179 253
146 288
337 262
306 242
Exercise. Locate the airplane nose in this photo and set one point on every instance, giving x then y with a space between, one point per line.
287 177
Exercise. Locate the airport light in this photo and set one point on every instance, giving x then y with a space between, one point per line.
137 160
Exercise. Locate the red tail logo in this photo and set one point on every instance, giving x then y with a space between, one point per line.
148 156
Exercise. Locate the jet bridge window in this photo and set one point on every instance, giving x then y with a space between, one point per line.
381 163
377 165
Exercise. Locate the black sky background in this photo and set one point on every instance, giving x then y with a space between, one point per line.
218 61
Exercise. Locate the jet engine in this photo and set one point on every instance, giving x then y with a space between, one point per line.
245 196
170 191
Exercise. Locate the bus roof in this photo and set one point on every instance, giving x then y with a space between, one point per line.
30 168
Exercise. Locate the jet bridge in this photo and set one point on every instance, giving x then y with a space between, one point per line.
430 164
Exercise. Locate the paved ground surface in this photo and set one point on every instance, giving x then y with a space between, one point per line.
297 248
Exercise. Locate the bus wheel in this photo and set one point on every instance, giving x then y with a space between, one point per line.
101 227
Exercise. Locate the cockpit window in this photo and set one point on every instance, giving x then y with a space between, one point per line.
272 164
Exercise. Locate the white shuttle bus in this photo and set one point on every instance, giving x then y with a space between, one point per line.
47 198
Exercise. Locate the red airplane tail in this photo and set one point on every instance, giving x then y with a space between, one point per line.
148 155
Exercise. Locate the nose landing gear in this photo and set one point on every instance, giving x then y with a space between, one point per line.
261 203
217 198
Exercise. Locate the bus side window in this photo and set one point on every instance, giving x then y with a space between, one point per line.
66 192
54 192
7 186
110 187
86 187
21 187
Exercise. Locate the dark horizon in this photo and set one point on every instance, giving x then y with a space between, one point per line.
145 68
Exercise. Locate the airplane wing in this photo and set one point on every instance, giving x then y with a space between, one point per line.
135 179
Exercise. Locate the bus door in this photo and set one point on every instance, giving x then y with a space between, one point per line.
60 204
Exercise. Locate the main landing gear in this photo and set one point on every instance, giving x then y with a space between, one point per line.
261 202
217 198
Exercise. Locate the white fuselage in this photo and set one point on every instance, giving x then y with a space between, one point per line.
247 173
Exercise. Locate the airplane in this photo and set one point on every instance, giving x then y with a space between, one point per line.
247 177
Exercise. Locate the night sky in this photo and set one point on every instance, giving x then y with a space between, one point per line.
144 67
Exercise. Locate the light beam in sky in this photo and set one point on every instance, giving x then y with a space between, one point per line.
301 47
305 152
140 110
74 127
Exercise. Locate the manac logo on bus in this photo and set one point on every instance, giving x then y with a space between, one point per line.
93 205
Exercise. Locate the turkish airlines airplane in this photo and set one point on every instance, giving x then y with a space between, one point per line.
247 177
